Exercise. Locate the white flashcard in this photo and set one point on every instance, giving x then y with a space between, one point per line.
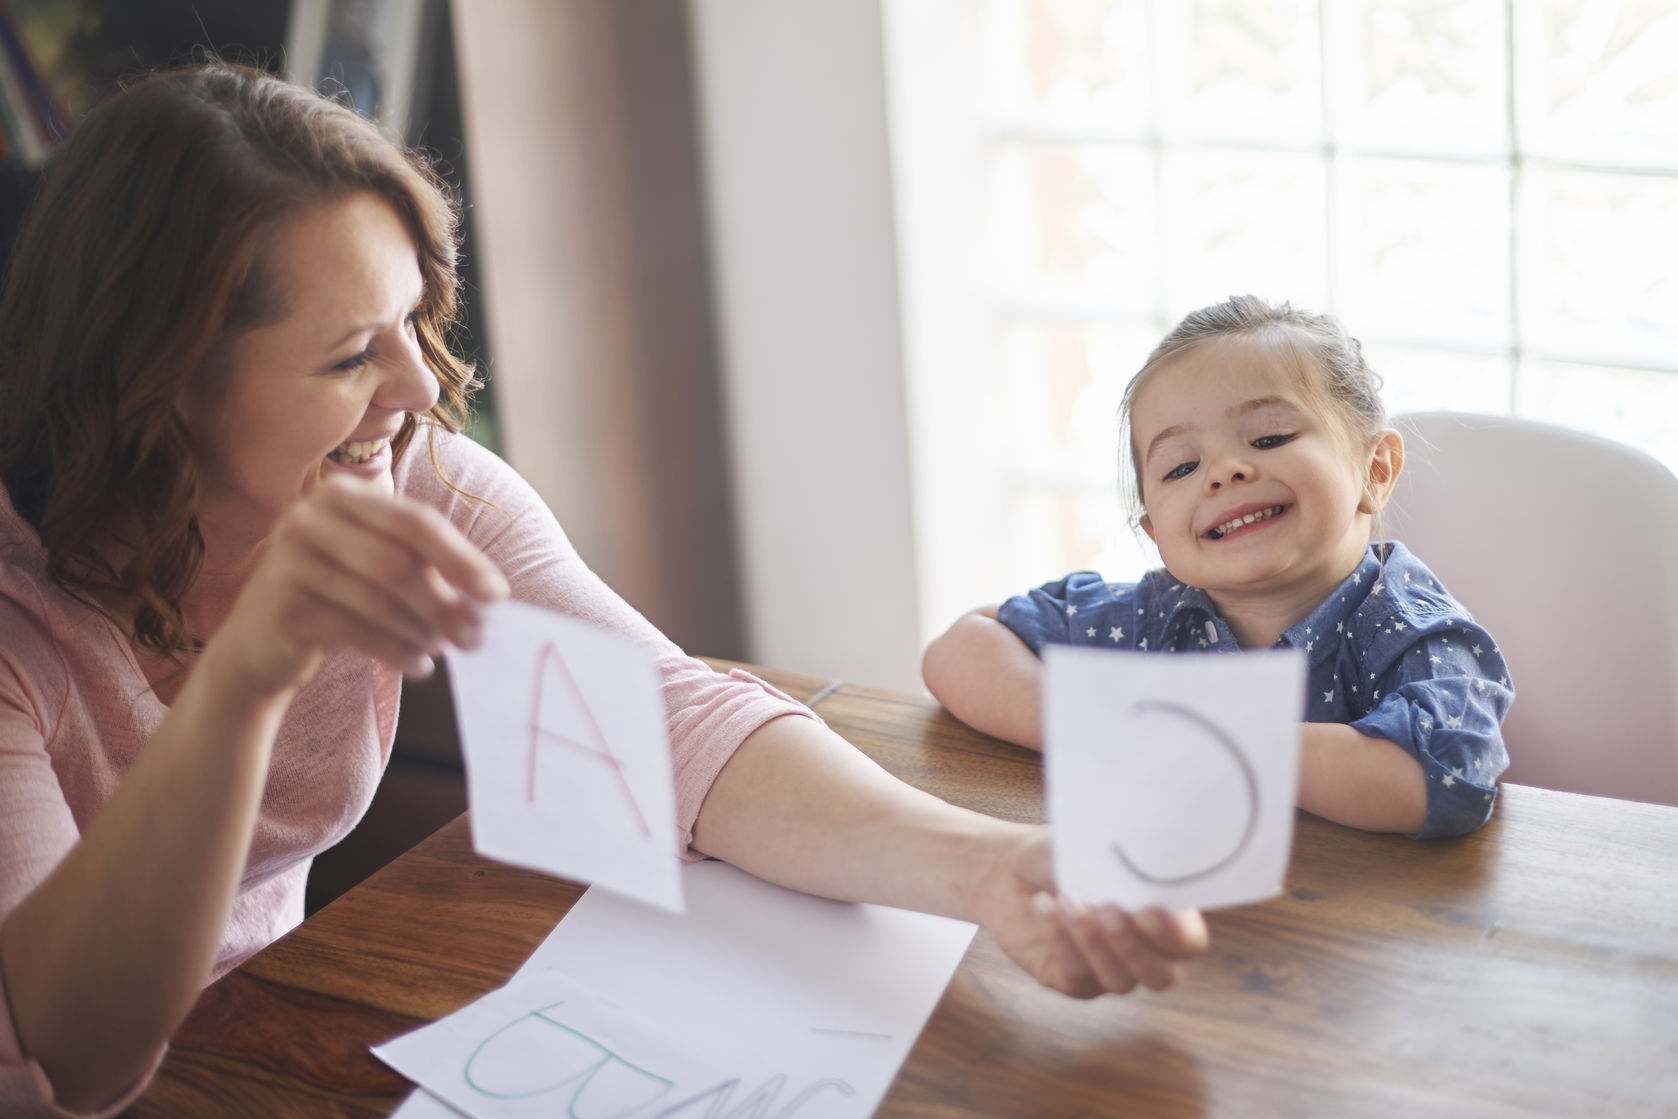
545 1045
1171 778
567 757
758 1001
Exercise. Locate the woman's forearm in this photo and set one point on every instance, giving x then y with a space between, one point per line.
799 806
103 960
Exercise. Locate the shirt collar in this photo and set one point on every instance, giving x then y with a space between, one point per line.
1337 607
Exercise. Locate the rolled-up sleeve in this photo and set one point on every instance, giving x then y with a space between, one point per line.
709 714
1076 610
1441 692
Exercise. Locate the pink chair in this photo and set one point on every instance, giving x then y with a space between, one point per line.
1565 547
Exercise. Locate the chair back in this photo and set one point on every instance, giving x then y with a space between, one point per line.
1565 547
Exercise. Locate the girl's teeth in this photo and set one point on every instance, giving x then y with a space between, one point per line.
1230 526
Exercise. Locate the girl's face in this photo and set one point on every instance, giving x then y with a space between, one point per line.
323 388
1250 493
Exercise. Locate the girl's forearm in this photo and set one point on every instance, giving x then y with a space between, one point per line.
103 960
1362 782
987 678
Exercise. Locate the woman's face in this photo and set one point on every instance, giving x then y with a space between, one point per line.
323 387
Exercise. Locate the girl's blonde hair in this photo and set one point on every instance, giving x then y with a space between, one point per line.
1336 378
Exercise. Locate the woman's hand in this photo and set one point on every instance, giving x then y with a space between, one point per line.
351 567
1077 949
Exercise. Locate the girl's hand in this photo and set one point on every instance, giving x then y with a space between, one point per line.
1077 949
351 567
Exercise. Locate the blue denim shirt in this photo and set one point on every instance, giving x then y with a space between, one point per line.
1389 652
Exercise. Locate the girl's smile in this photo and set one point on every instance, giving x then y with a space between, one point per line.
1245 520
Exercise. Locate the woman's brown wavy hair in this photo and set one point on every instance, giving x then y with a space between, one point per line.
140 251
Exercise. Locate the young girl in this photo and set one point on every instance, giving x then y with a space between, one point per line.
1261 457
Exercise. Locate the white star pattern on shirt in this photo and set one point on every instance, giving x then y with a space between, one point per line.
1453 721
1142 644
1328 697
1339 627
1447 780
1400 626
1376 589
1090 632
1308 645
1435 659
1070 609
1357 578
1115 633
1475 650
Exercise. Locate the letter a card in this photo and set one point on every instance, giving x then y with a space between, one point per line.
567 759
1171 779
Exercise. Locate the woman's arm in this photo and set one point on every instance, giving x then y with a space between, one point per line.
987 677
103 959
800 806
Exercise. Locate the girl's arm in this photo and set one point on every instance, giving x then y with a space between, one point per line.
105 957
1360 781
987 677
798 805
991 681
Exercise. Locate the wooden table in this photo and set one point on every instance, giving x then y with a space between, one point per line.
1528 969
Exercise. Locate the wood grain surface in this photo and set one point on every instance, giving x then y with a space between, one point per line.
1530 969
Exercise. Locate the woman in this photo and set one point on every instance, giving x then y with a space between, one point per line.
237 512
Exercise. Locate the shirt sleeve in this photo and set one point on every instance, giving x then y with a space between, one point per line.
1441 692
37 829
1077 610
709 714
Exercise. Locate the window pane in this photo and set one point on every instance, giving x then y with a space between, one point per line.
1631 405
1598 256
1598 81
1240 222
1070 63
1423 250
1240 70
1064 384
1075 225
1418 75
1055 533
1421 380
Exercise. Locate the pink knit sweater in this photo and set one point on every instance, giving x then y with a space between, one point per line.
75 711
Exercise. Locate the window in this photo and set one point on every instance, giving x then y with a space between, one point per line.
1484 191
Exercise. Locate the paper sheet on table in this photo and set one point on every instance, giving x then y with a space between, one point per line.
567 756
757 1001
1171 779
421 1104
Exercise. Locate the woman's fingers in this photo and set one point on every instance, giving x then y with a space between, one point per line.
422 529
380 577
1178 935
1088 930
1117 950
